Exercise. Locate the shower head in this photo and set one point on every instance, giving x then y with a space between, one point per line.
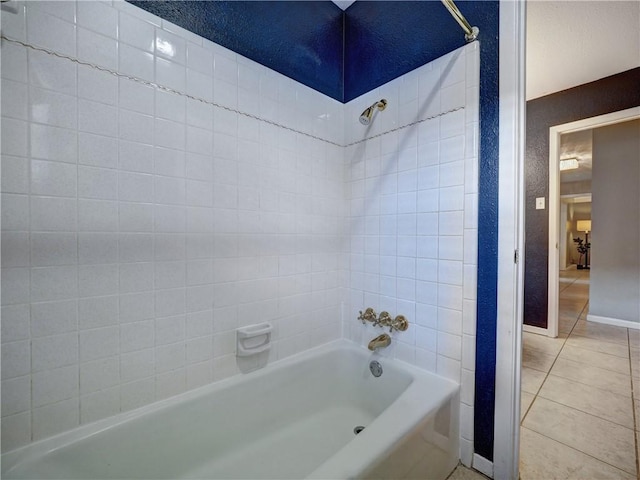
367 115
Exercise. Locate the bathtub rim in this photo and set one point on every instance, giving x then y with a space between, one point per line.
17 456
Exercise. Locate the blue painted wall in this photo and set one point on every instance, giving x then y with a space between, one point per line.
484 413
344 55
384 40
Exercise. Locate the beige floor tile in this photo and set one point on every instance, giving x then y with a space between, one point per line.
576 288
532 380
564 284
464 473
566 327
526 399
585 312
537 360
616 349
594 376
600 331
570 312
570 305
597 359
574 291
635 381
547 345
569 316
588 399
571 302
585 403
606 441
572 298
635 361
542 458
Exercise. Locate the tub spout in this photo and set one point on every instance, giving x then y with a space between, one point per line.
381 341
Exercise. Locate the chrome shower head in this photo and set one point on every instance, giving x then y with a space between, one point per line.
367 115
365 118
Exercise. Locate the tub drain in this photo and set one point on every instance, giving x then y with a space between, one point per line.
358 429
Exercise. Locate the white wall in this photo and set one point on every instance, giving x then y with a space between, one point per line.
140 227
615 258
413 219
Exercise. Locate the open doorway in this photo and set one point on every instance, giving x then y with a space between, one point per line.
570 200
577 387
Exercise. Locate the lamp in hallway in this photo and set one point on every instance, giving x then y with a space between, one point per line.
585 226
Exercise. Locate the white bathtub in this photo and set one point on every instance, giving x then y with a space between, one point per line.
293 419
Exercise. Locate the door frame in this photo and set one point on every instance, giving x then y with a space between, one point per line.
506 449
555 133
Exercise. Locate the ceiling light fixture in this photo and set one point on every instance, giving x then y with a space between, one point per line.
569 163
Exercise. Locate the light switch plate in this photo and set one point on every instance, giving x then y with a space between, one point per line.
540 203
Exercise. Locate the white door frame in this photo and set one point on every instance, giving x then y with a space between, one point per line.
510 240
554 202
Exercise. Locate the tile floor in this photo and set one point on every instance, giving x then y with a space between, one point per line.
580 395
463 473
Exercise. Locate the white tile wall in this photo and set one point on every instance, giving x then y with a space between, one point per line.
140 228
413 220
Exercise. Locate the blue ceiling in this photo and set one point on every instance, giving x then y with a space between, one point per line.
341 54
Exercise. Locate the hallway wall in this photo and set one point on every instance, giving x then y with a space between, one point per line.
615 257
607 95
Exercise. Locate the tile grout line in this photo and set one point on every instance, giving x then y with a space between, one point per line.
574 448
635 435
590 385
547 373
159 86
588 413
547 376
575 279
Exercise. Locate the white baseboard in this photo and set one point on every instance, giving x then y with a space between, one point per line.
536 330
483 465
613 321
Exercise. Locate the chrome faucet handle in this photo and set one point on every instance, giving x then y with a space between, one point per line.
399 323
384 319
369 315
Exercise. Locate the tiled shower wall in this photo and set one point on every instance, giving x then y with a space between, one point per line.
140 227
413 197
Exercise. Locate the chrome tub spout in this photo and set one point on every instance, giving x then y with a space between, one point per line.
381 341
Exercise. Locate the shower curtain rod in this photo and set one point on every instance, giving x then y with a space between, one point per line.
471 33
